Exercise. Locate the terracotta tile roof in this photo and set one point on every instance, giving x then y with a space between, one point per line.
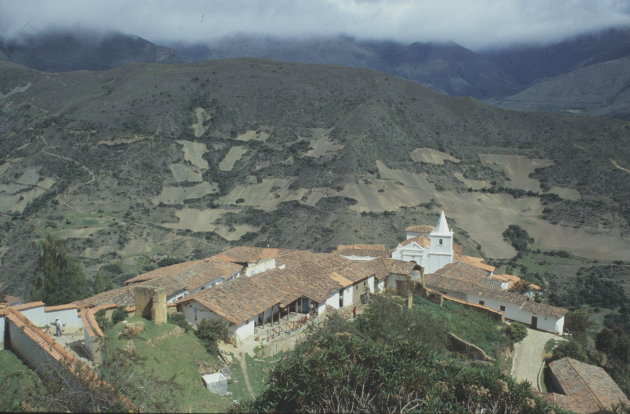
189 276
587 388
423 241
466 278
423 228
370 250
245 254
29 305
166 270
317 277
122 296
400 267
543 309
12 300
477 262
60 307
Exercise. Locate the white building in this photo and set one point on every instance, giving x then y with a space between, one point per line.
431 248
466 282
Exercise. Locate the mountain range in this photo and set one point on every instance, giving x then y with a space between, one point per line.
586 75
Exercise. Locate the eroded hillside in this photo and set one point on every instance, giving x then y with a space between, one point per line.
147 160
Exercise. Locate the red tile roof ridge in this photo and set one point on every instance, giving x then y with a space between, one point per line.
61 307
29 305
423 241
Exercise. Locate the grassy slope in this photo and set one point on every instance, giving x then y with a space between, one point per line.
475 327
173 362
17 382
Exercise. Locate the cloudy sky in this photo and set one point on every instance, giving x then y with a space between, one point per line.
473 23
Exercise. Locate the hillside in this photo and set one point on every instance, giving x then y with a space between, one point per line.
600 89
66 50
145 160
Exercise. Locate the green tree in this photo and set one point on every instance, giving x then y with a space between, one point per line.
59 278
571 349
210 331
518 237
578 322
516 331
102 283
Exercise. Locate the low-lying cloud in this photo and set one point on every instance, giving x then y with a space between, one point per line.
475 23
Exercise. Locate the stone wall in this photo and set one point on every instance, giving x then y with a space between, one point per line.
150 303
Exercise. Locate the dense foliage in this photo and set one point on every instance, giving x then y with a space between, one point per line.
209 331
390 359
516 331
518 237
60 279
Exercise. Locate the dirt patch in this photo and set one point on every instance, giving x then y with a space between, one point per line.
177 195
431 156
186 173
201 119
321 144
474 184
234 154
193 153
517 168
203 220
261 135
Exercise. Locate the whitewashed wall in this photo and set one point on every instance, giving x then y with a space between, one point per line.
371 283
2 325
333 301
244 330
260 266
35 315
195 312
347 296
69 318
380 286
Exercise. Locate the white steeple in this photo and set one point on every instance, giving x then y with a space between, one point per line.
442 227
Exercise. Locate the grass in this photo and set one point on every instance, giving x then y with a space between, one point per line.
170 366
258 369
471 325
17 382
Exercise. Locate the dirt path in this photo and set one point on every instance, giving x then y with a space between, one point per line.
50 154
248 385
528 356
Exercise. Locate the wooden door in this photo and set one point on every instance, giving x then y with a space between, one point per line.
534 322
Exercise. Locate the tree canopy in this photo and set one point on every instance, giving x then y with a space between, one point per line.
59 278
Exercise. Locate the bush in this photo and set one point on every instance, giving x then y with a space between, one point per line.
103 322
518 237
516 331
178 319
210 331
119 315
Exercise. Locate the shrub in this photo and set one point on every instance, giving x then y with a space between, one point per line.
210 331
119 315
178 319
516 331
518 237
103 322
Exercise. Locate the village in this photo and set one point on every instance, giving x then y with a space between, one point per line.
266 294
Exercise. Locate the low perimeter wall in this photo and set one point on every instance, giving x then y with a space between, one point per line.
38 349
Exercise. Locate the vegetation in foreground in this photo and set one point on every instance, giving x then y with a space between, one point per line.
385 362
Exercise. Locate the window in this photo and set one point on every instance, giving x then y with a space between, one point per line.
481 302
441 242
502 308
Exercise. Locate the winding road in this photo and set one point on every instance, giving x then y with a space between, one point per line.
529 354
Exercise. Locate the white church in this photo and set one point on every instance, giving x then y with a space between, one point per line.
430 247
